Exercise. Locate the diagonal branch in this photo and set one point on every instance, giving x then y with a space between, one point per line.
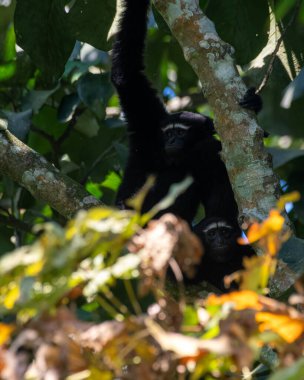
40 178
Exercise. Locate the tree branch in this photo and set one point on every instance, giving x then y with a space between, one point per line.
255 186
40 178
249 166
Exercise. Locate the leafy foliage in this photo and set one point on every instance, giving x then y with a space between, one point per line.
232 28
97 274
83 263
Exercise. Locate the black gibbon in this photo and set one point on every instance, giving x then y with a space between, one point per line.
223 255
170 146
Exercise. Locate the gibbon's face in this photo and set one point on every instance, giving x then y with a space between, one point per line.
179 140
182 132
174 138
219 239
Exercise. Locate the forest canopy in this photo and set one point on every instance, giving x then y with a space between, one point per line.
84 283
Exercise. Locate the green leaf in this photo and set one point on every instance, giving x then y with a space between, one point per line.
294 372
94 189
294 90
112 181
7 71
10 45
242 23
93 88
282 7
18 122
122 153
84 150
89 21
67 107
36 99
47 121
42 31
87 124
161 23
282 156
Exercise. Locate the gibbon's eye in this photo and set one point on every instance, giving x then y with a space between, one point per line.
211 233
181 133
225 232
168 134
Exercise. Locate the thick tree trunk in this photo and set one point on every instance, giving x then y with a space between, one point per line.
249 166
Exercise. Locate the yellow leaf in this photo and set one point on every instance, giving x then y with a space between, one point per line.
294 196
34 268
138 199
273 224
96 374
275 221
288 328
244 299
253 234
258 270
12 295
5 332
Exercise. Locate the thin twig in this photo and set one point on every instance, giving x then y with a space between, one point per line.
78 112
278 44
180 281
109 308
122 308
132 297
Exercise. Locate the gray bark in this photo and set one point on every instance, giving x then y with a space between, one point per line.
40 178
249 166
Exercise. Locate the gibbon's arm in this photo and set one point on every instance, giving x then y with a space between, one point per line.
139 101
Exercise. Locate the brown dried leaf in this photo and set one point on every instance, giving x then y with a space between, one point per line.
116 345
240 326
167 312
162 239
188 347
97 337
45 346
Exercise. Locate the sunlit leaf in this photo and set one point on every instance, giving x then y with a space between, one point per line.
137 200
269 233
5 332
175 191
34 269
12 295
241 300
96 374
257 272
290 197
7 70
288 328
274 223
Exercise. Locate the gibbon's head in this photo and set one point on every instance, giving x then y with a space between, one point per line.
181 131
219 238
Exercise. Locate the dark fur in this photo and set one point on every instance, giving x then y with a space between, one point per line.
146 115
223 255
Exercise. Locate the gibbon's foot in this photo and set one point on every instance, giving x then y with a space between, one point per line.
252 101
